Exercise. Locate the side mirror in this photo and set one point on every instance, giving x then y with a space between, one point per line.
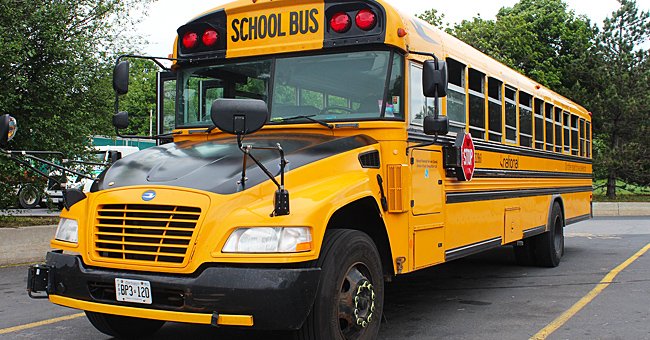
8 129
121 78
435 81
239 116
436 125
121 120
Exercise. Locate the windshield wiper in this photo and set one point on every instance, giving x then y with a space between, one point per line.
309 118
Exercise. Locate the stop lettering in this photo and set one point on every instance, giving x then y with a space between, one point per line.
467 160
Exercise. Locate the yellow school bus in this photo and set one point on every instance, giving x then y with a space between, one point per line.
319 149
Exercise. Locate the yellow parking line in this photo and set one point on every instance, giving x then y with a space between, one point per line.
604 283
40 323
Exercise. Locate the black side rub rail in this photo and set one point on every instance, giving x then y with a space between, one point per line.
475 196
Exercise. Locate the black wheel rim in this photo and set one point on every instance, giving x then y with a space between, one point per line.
356 303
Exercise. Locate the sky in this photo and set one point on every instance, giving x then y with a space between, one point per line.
165 16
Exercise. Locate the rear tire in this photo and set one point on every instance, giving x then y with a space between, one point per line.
544 250
124 327
350 296
28 196
549 246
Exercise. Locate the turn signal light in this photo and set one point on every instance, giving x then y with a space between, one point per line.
190 40
340 22
366 19
210 37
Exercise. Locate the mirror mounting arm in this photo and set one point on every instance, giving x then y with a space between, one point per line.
435 102
281 195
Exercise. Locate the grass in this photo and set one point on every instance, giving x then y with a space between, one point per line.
622 198
624 192
22 221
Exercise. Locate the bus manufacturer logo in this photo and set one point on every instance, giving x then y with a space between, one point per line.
148 195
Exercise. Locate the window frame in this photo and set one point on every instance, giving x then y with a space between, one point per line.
482 96
521 95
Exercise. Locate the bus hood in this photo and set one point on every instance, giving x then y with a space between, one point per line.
216 165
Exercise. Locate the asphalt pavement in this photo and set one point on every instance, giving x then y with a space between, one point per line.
486 296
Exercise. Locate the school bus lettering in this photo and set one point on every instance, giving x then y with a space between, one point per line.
271 26
508 162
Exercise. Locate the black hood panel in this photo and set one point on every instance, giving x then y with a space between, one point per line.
216 165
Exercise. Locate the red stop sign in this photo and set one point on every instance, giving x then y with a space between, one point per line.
467 160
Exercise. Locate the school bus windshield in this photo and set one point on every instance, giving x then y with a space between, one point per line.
331 87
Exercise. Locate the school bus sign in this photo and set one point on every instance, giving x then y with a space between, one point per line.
275 30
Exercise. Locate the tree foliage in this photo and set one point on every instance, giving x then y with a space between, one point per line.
56 59
540 38
620 96
431 16
141 99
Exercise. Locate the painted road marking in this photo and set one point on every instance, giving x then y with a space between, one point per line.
604 283
40 323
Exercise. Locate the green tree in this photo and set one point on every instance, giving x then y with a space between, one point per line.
431 16
541 38
141 99
56 59
619 87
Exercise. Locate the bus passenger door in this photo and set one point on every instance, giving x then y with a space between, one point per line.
426 218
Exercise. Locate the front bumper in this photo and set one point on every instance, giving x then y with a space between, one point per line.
275 298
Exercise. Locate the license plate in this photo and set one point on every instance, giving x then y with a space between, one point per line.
133 291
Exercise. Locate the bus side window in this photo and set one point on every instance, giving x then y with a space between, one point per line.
511 115
558 129
495 121
456 97
588 146
574 135
525 119
549 126
582 137
476 104
539 124
567 132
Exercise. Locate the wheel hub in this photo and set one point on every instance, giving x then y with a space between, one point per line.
364 304
357 303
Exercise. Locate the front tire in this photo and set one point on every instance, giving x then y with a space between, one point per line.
350 296
124 327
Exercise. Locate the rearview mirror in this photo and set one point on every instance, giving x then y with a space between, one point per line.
239 116
435 81
121 78
121 120
436 125
8 129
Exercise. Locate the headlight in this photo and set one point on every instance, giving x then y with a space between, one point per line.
269 240
68 230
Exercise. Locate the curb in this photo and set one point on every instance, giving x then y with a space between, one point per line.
602 209
24 245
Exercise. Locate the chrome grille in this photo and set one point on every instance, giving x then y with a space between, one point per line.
142 232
